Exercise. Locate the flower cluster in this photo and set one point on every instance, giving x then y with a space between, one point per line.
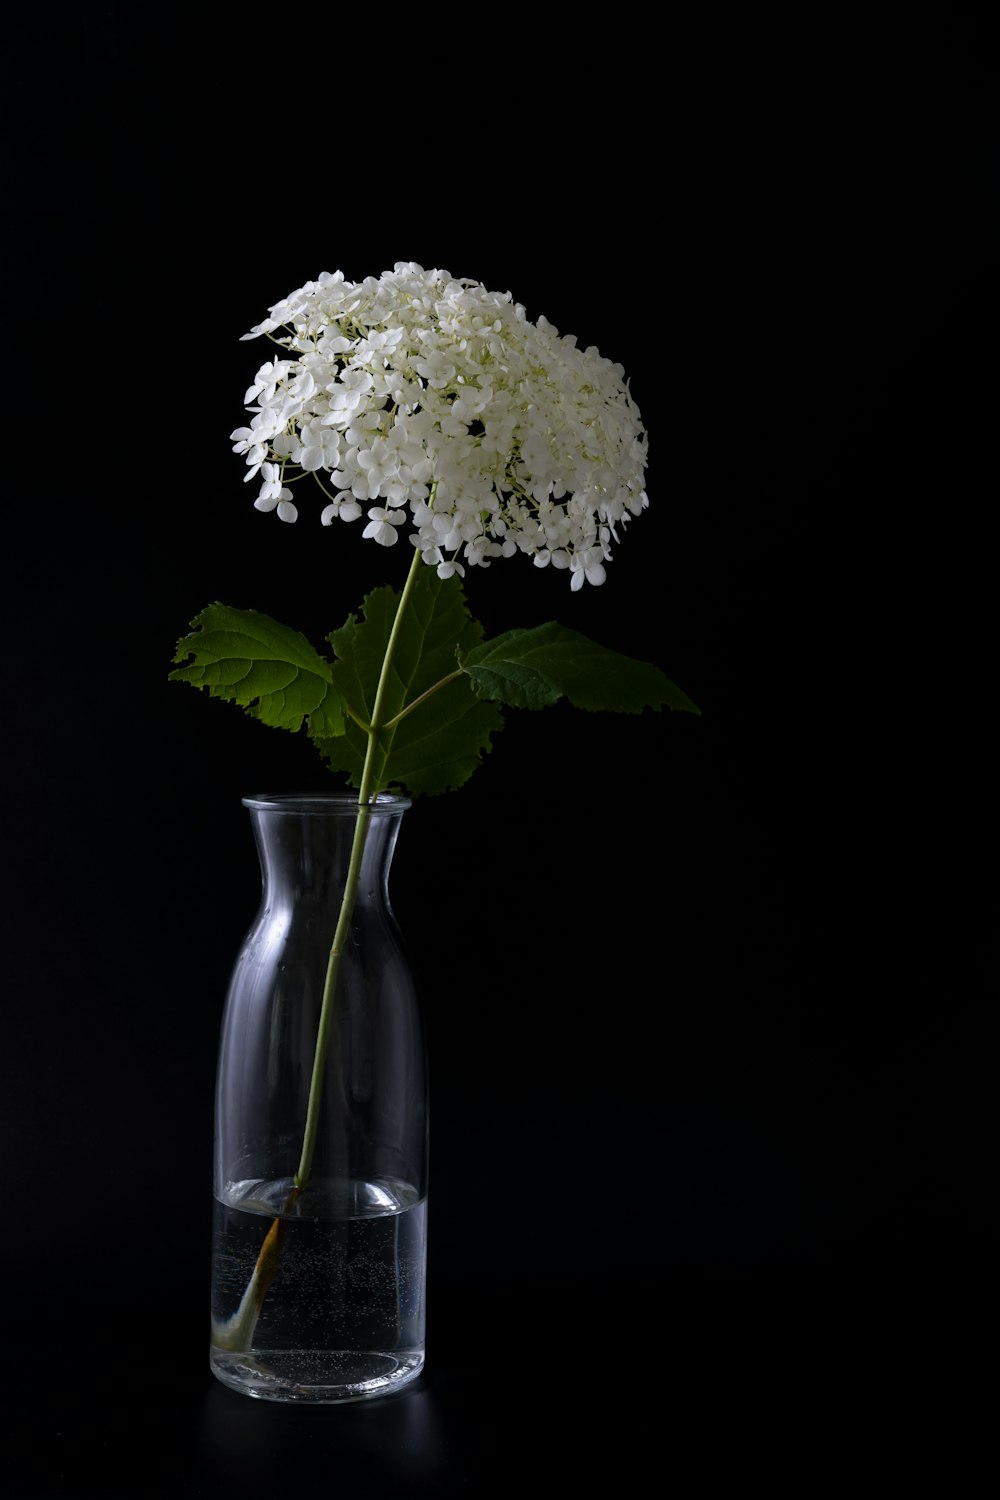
424 400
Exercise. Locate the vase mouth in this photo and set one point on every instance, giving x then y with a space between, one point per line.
322 804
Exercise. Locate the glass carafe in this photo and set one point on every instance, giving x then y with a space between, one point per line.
319 1249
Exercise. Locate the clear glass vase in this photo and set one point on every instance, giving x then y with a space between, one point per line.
319 1249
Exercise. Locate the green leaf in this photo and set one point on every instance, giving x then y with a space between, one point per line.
438 745
270 670
532 668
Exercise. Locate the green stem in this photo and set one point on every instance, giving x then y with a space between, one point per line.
442 682
239 1334
367 794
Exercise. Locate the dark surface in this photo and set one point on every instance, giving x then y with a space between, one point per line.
711 1003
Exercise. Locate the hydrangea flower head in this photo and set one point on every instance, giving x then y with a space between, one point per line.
438 410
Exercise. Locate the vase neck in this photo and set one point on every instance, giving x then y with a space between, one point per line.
305 845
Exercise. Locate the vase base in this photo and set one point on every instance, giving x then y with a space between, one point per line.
317 1377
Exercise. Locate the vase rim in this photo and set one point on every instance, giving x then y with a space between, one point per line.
323 803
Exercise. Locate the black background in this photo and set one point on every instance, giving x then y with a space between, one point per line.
711 1002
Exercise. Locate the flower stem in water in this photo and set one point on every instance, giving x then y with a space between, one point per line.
237 1333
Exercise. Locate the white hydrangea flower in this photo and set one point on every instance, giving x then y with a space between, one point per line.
345 507
271 489
489 434
267 380
280 500
382 525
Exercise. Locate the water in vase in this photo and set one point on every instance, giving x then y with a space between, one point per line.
319 1299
